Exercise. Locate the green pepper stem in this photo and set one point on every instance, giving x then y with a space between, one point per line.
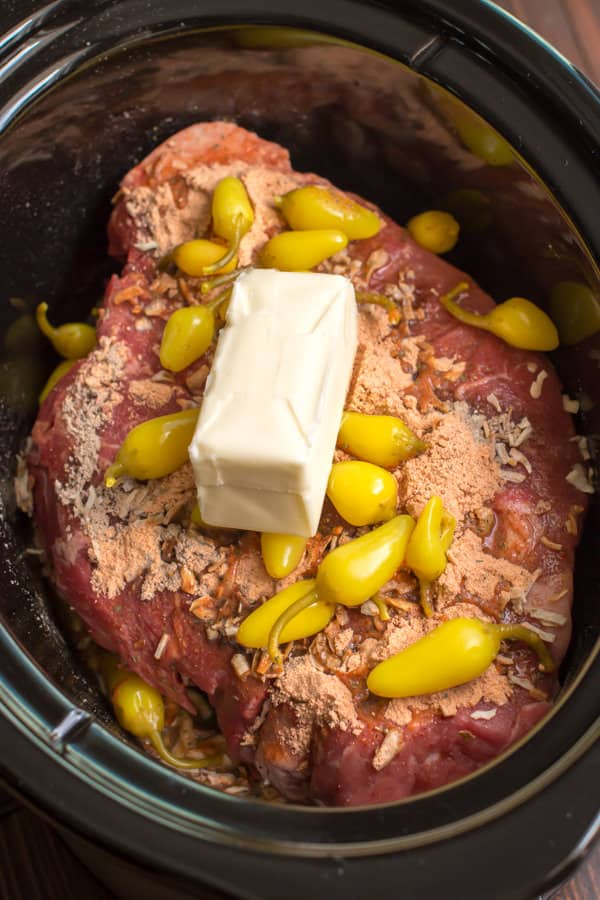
113 473
218 280
424 594
380 300
41 316
522 633
463 315
177 761
233 248
284 619
381 606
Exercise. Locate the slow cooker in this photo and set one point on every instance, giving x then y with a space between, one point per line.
357 91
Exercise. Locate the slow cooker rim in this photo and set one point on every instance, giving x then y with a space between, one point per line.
431 60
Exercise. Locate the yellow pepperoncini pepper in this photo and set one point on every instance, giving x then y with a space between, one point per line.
264 37
382 440
517 321
188 334
351 574
455 652
281 553
23 335
298 251
434 230
154 448
575 310
362 493
428 545
112 672
192 257
55 376
471 208
232 217
475 133
73 340
317 207
315 614
480 138
140 709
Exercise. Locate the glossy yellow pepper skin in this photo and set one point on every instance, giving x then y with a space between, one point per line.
575 310
112 672
481 139
428 545
140 709
299 251
154 448
382 440
363 494
317 207
188 334
474 132
354 572
232 218
281 553
455 652
350 574
55 376
192 257
517 321
434 230
74 340
255 629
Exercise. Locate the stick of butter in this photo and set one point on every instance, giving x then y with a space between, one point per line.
274 399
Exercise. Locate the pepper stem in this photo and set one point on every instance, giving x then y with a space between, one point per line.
218 280
424 594
380 300
381 606
522 633
233 249
42 320
113 473
463 315
159 746
284 619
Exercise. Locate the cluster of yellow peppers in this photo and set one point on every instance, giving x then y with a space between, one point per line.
451 654
363 491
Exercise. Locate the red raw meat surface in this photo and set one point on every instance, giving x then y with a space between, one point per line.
339 768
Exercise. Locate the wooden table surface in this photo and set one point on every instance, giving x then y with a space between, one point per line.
34 863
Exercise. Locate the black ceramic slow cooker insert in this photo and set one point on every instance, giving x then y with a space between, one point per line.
86 90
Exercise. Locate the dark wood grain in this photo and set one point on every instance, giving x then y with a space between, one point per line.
34 863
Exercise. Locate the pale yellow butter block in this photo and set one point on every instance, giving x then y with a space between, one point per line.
264 443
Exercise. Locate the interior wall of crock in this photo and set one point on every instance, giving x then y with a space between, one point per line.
356 117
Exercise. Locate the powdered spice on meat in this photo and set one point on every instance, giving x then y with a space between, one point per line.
195 587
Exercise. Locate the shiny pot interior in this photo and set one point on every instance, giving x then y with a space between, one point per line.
84 97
